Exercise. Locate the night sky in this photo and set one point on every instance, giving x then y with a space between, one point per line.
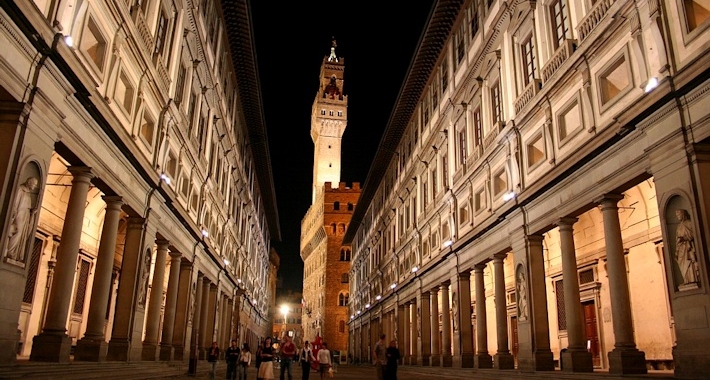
377 40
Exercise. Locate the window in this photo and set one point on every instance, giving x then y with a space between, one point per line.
444 75
123 93
344 254
147 130
445 171
479 200
462 146
463 213
341 327
614 80
527 50
434 185
343 299
171 165
161 33
93 44
535 150
477 127
330 113
31 282
435 94
340 113
180 85
191 111
561 311
82 281
559 22
569 121
322 112
344 278
459 44
350 206
697 12
336 205
474 18
496 104
500 182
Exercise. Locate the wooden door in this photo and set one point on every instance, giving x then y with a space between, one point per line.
590 327
514 344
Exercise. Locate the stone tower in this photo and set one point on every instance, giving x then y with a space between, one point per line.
328 121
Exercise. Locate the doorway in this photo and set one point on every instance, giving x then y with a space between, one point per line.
590 327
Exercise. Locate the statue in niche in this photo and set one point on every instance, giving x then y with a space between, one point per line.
145 274
21 220
685 252
522 296
455 311
193 291
419 322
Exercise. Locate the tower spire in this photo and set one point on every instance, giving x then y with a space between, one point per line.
333 57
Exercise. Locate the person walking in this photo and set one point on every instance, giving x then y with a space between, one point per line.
244 361
288 354
393 356
305 357
324 361
380 358
231 354
212 357
266 369
257 358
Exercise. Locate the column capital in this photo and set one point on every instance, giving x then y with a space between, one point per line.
609 199
113 202
566 222
478 268
464 275
534 239
444 286
175 255
136 223
81 173
425 294
162 243
499 257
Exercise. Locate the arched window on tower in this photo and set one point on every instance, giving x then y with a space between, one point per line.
336 205
341 326
343 299
332 227
344 254
350 206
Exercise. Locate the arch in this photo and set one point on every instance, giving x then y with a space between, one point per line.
343 299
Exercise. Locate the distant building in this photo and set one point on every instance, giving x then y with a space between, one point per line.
326 262
287 321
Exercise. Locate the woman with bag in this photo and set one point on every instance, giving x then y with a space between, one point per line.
266 369
305 358
244 361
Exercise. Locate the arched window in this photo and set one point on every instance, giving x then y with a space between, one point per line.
341 327
332 227
350 206
344 254
336 205
343 299
344 278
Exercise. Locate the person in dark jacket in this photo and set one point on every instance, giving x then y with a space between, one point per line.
393 356
232 357
212 357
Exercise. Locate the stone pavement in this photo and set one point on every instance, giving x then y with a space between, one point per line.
366 372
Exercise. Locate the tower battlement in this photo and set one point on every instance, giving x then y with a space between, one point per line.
342 187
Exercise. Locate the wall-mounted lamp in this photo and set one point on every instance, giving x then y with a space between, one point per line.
379 297
509 195
367 306
393 286
69 40
415 269
205 233
651 84
448 243
164 177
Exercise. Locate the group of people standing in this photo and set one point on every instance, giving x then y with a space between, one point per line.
238 360
386 359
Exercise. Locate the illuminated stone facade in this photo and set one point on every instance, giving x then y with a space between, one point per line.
547 203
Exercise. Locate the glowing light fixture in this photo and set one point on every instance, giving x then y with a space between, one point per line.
379 297
651 84
164 177
205 233
509 195
393 286
69 41
448 243
415 269
367 306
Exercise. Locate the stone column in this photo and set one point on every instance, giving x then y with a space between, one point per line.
446 358
625 358
482 359
415 333
536 328
53 344
152 328
185 297
166 339
576 358
204 311
435 337
401 329
464 335
424 327
407 333
502 359
93 347
196 318
121 343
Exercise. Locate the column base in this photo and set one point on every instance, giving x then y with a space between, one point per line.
482 361
627 361
425 360
692 362
447 360
576 361
150 352
54 348
202 353
544 360
435 361
121 350
91 349
413 360
166 353
9 345
504 361
179 353
464 360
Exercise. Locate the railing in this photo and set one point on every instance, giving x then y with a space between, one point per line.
592 19
497 127
563 52
142 27
530 91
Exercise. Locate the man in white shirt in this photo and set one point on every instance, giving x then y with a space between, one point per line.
324 360
380 357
